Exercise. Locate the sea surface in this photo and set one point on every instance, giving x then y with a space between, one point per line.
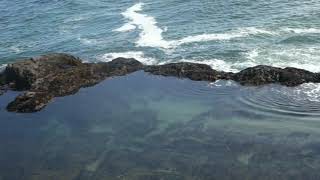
146 127
229 35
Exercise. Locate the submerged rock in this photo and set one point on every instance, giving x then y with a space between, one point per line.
55 75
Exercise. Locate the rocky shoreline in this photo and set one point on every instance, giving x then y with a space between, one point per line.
57 75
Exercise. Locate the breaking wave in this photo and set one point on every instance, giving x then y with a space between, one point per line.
151 34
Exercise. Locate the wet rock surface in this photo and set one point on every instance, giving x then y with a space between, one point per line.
253 76
260 75
193 71
56 75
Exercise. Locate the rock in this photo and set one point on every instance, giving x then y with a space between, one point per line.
30 102
24 73
193 71
253 76
55 75
260 75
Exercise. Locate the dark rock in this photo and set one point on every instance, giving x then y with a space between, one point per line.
260 75
193 71
55 75
293 77
3 89
30 102
24 73
254 76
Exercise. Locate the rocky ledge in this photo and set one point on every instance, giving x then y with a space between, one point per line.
56 75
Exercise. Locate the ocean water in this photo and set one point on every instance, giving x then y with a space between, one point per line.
228 35
143 127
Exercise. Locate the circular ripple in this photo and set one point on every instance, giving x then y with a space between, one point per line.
277 100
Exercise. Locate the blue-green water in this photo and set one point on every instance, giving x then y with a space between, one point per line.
149 127
228 35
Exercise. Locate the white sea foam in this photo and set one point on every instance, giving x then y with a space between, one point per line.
216 64
239 33
126 27
87 41
302 30
305 58
255 30
138 55
151 34
208 37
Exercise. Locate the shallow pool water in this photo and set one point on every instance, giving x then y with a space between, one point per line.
142 126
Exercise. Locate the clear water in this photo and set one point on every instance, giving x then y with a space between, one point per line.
150 127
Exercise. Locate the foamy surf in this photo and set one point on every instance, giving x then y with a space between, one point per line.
216 64
303 58
151 34
302 30
126 27
239 33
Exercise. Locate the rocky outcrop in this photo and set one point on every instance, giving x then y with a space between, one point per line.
193 71
253 76
56 75
260 75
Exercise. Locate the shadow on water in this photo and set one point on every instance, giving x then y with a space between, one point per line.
149 127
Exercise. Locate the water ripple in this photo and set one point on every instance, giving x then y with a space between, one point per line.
302 101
